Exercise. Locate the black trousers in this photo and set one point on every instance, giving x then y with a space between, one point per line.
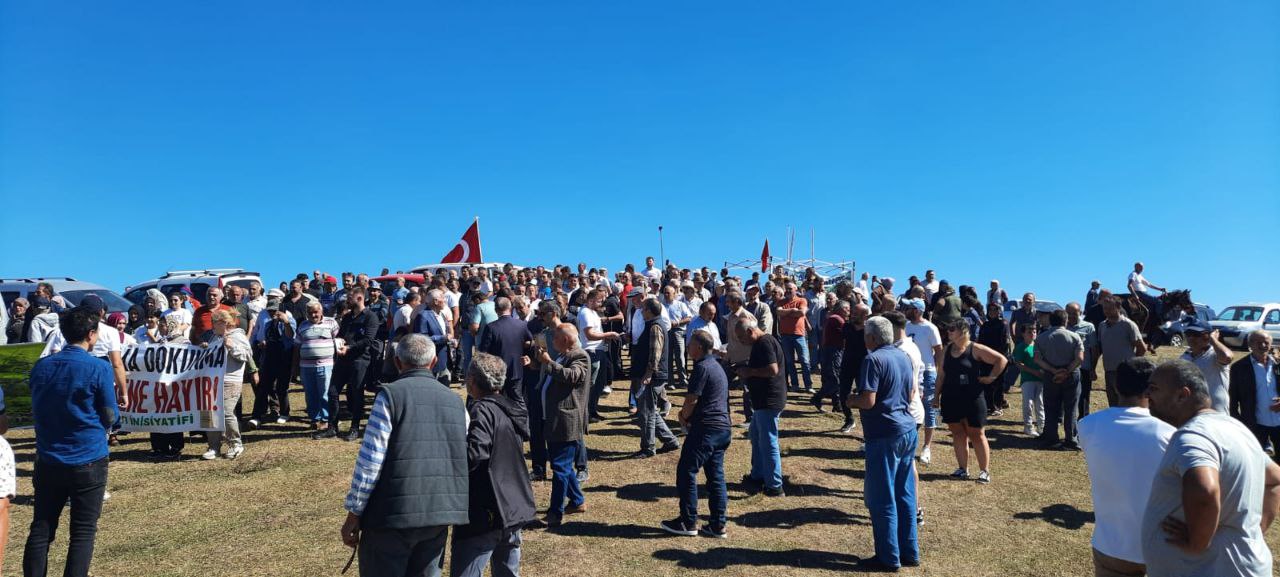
168 443
348 375
271 394
1267 434
56 485
1086 387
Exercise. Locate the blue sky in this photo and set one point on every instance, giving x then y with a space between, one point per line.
1044 143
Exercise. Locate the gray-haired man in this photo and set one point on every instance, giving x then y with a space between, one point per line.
411 481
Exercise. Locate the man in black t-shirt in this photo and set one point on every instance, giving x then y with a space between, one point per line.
705 415
768 390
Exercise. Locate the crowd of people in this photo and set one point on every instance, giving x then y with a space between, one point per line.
536 349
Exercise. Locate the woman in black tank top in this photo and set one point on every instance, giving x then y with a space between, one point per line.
961 397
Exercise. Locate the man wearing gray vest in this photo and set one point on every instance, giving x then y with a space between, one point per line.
410 481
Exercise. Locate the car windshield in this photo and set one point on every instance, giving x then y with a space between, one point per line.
114 303
1247 314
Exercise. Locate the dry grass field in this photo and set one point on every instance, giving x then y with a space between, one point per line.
276 510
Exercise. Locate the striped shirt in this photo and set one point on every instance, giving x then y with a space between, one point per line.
315 342
373 449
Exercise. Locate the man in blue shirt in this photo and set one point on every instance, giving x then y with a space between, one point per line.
884 398
705 415
73 403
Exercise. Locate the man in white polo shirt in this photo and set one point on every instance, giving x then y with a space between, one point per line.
1122 446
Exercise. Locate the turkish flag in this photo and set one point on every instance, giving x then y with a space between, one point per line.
468 249
764 257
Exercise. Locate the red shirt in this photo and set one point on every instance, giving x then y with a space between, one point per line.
833 332
795 325
202 319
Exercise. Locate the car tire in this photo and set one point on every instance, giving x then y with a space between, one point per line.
1176 340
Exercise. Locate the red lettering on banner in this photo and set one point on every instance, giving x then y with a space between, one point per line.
162 397
186 393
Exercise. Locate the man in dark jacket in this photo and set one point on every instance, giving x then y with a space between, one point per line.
500 494
505 338
651 356
410 481
358 332
1253 390
564 402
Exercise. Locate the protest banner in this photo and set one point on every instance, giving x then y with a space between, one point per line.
174 388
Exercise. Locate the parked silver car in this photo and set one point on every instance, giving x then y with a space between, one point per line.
1235 323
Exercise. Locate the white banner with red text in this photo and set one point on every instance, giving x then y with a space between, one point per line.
174 388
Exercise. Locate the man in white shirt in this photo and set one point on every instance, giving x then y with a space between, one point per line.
653 273
930 285
680 315
1215 493
706 321
1213 358
404 313
927 339
1255 390
1123 446
1139 284
593 337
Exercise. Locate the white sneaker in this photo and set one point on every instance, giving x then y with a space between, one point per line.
106 496
984 477
606 390
282 420
209 455
235 451
1029 430
254 423
926 455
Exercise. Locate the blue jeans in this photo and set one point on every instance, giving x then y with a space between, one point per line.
929 386
703 450
597 381
766 459
469 555
564 480
467 342
792 344
315 389
890 495
652 422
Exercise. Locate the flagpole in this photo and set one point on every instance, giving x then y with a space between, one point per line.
662 256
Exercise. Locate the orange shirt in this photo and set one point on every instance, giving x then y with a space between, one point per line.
795 324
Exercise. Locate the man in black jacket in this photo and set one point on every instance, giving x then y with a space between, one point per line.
501 498
1254 402
505 338
357 331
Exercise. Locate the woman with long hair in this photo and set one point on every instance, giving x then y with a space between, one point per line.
961 396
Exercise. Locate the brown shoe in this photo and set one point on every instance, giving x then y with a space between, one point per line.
575 509
113 440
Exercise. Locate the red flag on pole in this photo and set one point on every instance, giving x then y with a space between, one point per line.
468 249
764 257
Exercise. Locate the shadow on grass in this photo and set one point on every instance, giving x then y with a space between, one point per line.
792 518
643 492
1060 515
724 557
825 453
851 473
594 529
1000 439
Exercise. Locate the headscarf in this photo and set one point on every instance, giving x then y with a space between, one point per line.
113 319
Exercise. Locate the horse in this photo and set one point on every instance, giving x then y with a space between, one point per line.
1168 306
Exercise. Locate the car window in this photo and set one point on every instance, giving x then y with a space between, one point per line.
10 296
136 296
243 283
1243 314
1273 317
113 301
200 290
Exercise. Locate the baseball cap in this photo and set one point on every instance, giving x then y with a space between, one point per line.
1197 326
636 292
330 280
686 284
275 294
93 303
918 304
